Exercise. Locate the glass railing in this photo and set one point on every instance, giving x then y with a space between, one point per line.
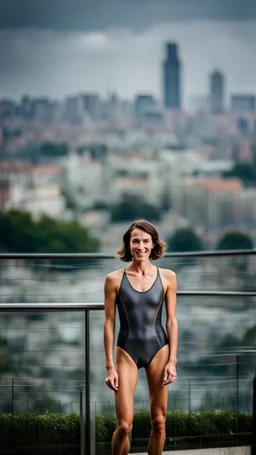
52 364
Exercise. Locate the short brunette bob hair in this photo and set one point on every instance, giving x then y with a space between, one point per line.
158 250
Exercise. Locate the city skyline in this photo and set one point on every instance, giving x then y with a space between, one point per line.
56 60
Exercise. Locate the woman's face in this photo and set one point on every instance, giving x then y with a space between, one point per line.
141 244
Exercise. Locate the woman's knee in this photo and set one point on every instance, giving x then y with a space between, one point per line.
158 423
124 427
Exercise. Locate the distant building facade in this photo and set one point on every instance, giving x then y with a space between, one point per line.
172 78
199 103
74 109
243 103
217 91
92 104
143 104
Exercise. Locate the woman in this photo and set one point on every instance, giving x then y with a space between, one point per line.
139 291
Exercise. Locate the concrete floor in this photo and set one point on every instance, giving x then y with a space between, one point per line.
244 450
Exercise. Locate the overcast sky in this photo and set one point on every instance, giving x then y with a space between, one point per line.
57 47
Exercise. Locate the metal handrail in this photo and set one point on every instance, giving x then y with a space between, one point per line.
15 307
114 256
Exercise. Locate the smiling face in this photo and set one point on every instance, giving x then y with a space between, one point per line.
140 245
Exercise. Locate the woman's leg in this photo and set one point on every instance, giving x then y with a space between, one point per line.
158 401
127 380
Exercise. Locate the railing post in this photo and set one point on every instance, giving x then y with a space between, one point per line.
87 383
12 433
189 406
253 448
81 420
237 395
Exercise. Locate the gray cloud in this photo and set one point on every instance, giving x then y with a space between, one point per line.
87 15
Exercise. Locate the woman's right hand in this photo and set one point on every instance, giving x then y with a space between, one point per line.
112 379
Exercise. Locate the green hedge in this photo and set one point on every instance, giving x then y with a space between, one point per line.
55 432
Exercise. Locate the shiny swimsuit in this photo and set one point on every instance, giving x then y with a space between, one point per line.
141 333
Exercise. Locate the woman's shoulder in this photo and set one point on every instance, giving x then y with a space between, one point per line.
168 274
168 278
114 277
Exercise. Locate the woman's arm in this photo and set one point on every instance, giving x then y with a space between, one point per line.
109 331
171 327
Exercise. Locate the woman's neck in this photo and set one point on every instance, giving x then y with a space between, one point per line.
142 268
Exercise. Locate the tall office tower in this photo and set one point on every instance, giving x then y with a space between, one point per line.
171 73
217 91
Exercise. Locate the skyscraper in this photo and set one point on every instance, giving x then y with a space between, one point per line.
171 73
217 91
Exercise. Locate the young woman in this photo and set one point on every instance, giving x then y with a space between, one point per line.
138 291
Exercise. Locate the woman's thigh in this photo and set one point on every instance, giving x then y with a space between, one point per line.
155 373
127 381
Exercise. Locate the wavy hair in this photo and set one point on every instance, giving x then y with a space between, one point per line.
158 250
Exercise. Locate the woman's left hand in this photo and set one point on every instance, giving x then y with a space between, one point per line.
170 373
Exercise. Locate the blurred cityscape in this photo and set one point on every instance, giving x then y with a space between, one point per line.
80 157
83 154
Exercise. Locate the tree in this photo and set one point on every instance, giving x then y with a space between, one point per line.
235 240
184 239
19 233
243 171
61 236
249 338
50 149
131 208
229 341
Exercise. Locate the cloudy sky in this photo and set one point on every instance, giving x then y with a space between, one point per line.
59 47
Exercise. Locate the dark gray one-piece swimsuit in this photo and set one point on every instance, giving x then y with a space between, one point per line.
141 333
